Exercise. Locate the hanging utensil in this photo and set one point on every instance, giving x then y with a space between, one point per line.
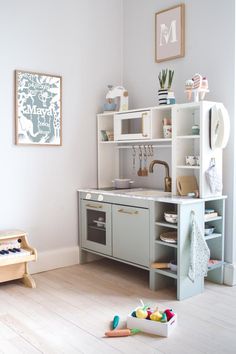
134 156
145 170
140 170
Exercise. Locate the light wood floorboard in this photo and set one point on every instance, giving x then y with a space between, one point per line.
72 307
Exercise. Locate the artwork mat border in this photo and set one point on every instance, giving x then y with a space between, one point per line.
16 107
182 26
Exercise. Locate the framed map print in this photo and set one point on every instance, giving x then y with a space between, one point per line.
169 33
38 108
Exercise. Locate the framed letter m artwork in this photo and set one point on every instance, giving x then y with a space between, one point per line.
169 33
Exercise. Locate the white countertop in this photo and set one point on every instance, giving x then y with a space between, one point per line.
135 193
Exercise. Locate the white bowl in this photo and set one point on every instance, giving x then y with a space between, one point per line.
209 230
173 266
171 217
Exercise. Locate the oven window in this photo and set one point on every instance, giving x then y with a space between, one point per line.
131 126
96 226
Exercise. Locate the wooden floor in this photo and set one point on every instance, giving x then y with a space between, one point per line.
71 308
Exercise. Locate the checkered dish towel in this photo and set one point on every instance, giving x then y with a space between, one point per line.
199 253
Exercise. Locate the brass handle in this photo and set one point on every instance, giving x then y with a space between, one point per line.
94 206
143 116
128 212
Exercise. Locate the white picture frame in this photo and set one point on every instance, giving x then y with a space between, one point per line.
38 109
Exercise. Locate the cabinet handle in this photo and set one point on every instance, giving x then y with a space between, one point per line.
94 206
128 212
143 116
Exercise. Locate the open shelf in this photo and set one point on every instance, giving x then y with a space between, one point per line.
214 235
107 113
215 266
213 219
166 224
174 245
188 137
167 272
160 140
188 167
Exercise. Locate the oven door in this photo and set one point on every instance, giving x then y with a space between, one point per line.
132 126
96 226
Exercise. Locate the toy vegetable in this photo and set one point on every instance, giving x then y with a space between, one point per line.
122 332
156 316
169 314
141 313
115 322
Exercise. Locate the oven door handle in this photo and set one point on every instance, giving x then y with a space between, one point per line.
94 206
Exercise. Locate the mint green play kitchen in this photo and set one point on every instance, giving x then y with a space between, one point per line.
168 217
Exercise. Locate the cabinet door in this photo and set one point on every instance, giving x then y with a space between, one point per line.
131 234
96 226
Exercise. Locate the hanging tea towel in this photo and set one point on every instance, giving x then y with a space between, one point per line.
199 252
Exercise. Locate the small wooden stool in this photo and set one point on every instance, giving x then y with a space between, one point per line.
14 260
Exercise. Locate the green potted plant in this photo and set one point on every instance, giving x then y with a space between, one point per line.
170 95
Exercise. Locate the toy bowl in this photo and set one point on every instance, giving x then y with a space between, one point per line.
209 230
122 183
171 217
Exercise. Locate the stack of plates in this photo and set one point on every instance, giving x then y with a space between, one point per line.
170 237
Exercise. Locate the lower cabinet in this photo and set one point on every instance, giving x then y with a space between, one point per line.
120 231
131 234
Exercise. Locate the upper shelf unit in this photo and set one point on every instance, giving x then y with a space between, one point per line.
136 125
185 132
191 152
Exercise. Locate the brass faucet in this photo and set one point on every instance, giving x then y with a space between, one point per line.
167 179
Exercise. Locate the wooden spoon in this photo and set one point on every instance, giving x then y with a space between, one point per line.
140 170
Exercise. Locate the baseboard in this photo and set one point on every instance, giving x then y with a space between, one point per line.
52 259
230 274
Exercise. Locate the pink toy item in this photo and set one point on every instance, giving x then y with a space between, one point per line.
197 81
169 314
198 87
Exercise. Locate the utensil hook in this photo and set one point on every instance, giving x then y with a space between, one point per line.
213 162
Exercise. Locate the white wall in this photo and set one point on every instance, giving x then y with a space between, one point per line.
210 50
80 40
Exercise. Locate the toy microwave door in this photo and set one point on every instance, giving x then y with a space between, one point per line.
132 126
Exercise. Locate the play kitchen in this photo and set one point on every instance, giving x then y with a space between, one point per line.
157 181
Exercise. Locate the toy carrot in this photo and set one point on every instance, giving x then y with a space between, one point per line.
122 332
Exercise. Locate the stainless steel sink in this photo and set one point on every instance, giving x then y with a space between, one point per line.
148 193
